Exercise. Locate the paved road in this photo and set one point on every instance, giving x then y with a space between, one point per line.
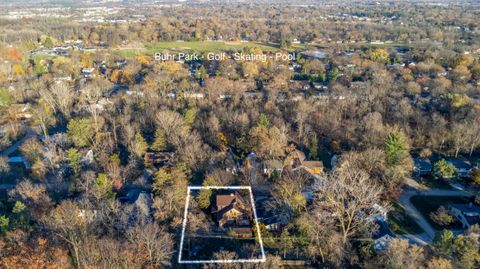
30 133
405 202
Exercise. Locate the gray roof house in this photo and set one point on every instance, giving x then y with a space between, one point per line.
463 167
422 167
467 214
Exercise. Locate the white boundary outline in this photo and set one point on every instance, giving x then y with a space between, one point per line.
184 225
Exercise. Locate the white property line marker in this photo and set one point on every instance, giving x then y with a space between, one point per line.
184 225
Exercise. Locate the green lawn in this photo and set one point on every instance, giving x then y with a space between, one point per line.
401 223
206 46
427 204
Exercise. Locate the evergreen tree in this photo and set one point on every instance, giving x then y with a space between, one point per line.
161 178
4 222
204 196
160 141
263 121
443 242
74 160
141 145
190 116
313 148
396 148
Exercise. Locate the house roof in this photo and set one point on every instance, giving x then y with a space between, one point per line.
423 164
224 200
300 155
467 208
229 202
242 230
460 164
274 164
313 164
382 243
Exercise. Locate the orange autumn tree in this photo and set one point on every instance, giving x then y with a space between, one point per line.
13 54
36 253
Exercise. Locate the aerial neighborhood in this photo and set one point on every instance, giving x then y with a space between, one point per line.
294 135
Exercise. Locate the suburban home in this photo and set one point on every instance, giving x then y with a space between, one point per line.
383 243
88 72
467 214
232 162
20 111
267 216
194 95
313 168
158 158
231 211
383 235
422 167
464 168
20 160
271 167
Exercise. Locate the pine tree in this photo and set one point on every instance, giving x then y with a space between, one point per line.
313 148
443 242
204 195
141 145
160 141
263 121
74 160
395 148
190 116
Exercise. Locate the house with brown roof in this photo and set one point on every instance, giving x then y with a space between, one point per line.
314 168
231 211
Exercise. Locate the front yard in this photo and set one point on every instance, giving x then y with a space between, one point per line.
401 223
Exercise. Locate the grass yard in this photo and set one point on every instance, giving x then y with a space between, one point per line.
427 204
401 223
206 46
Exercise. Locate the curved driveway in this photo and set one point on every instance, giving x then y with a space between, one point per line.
404 201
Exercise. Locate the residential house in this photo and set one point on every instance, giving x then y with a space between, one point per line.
159 158
464 168
20 111
383 235
139 206
194 95
383 243
19 160
231 211
272 167
88 72
422 167
232 162
299 162
467 214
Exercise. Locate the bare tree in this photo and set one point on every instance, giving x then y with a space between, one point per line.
69 224
349 195
34 196
151 240
60 97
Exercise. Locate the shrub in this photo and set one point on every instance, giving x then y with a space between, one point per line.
444 170
442 216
